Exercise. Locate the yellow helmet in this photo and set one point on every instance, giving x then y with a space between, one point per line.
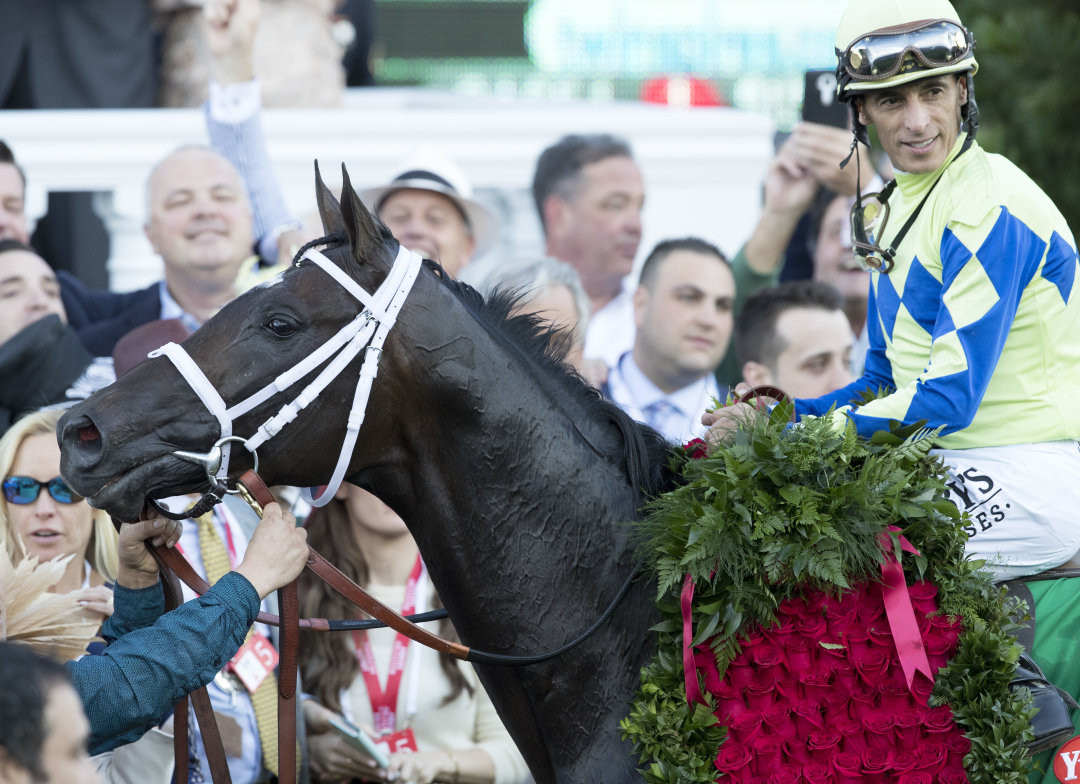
884 43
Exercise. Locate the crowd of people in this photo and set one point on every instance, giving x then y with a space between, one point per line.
669 342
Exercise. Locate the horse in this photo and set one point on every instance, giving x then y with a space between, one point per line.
515 477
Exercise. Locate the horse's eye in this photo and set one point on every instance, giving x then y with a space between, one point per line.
280 327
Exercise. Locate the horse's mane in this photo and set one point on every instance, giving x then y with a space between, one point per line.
642 451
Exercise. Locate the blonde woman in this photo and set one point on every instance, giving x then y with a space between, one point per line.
41 516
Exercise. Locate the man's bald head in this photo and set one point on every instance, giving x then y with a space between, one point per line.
199 217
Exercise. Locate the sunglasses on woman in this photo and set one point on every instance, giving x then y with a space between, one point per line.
24 490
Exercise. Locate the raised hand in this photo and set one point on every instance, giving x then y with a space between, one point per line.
819 149
230 33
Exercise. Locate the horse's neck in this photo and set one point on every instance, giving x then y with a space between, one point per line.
507 498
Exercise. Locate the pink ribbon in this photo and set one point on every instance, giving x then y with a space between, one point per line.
693 689
901 614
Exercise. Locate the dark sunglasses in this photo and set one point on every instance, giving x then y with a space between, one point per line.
881 55
24 490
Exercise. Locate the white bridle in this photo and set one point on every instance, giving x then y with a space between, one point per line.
368 330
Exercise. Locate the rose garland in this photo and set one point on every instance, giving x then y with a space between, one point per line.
781 526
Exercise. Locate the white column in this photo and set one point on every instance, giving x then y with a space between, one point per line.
132 262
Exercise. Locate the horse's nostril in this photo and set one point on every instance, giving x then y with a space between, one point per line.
89 433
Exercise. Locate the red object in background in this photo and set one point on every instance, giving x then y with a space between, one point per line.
681 91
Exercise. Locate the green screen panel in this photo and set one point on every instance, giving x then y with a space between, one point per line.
443 28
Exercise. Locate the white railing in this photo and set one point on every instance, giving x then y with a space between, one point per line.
703 168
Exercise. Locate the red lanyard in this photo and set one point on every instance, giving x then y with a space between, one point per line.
384 702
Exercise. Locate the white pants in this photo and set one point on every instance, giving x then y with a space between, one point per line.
1024 503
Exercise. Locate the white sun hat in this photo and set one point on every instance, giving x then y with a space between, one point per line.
430 169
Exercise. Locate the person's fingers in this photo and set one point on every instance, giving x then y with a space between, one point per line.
742 388
708 418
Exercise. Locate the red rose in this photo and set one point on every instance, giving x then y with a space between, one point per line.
696 449
781 630
799 653
958 746
931 756
879 730
816 600
745 728
893 696
870 606
906 726
915 777
740 670
840 612
830 651
815 772
768 755
938 650
952 775
751 639
847 768
923 598
881 634
795 751
921 687
778 719
816 682
854 738
938 723
875 763
845 676
787 774
769 660
950 629
788 686
761 692
705 661
729 703
872 667
857 641
795 607
903 761
822 744
734 759
836 707
808 717
863 700
812 626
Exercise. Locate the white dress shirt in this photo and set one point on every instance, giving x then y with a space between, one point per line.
245 769
611 329
677 416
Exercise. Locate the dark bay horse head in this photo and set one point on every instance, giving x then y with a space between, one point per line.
117 447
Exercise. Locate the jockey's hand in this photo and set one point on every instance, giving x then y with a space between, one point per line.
723 421
276 553
230 32
138 569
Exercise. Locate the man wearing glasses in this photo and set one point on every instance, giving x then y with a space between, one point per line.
974 312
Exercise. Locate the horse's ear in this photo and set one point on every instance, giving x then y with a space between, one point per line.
329 209
363 231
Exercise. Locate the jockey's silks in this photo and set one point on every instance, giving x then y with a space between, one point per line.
977 327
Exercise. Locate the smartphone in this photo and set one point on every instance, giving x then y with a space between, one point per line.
359 740
820 104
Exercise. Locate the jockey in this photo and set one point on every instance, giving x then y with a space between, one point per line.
974 317
974 310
